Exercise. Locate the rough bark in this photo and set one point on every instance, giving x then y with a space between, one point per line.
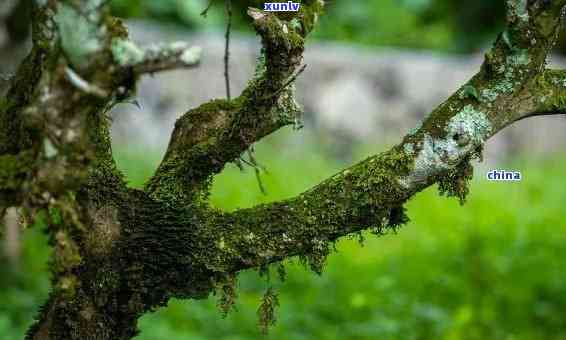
120 252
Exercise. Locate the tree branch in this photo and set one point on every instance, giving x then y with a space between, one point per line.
218 132
185 250
371 194
121 252
155 58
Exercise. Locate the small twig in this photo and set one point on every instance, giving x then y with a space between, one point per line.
227 48
83 85
259 181
6 77
164 57
204 13
253 160
257 167
287 83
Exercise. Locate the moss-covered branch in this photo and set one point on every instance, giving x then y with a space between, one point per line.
371 194
218 132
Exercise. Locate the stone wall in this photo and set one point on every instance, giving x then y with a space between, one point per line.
358 94
351 95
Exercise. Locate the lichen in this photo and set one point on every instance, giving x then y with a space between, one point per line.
470 122
409 149
519 9
126 52
191 55
464 132
490 95
79 36
519 57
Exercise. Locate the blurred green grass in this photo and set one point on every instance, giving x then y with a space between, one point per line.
493 269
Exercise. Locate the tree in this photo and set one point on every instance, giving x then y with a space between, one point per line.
121 252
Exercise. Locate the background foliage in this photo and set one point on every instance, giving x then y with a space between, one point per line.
443 25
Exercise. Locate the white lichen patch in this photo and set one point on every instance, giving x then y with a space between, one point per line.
409 149
490 95
191 55
519 9
470 122
464 132
79 36
519 58
126 52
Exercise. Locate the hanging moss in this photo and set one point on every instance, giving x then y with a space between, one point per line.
455 182
228 293
14 169
267 310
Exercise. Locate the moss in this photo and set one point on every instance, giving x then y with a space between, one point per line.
228 293
14 169
310 11
267 310
67 286
67 255
454 183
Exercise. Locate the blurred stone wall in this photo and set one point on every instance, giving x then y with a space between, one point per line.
350 93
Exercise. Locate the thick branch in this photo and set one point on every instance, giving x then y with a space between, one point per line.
182 250
218 132
371 194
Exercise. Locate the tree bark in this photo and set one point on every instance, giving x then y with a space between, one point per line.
121 252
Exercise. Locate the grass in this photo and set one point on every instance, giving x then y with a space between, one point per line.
492 269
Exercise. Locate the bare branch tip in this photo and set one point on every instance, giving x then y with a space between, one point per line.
256 14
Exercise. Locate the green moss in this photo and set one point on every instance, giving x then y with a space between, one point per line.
14 169
267 310
454 183
227 291
310 12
